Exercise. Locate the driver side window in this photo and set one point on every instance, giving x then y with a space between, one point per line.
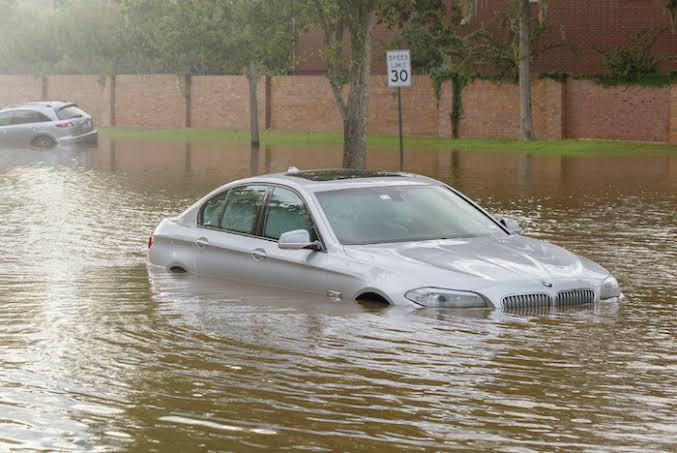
286 212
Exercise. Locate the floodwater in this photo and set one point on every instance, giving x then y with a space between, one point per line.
98 355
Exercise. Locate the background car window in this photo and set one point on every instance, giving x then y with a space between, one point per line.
287 212
212 211
28 117
5 119
71 112
242 208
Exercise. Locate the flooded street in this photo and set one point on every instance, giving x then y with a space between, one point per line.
98 355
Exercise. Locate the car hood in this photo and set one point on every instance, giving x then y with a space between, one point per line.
487 259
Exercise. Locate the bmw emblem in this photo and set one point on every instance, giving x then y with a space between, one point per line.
547 283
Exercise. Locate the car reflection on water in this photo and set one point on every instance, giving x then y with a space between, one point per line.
397 238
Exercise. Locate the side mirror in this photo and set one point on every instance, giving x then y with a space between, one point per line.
298 240
512 225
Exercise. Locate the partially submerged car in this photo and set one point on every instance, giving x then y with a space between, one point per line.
46 124
394 237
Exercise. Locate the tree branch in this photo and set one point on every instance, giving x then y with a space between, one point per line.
333 43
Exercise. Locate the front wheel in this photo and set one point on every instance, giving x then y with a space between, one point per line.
43 141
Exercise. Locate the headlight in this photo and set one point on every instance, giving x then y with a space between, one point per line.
610 288
445 298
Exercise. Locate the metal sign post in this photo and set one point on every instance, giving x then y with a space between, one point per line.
399 75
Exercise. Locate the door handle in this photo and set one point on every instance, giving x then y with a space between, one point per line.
201 243
259 255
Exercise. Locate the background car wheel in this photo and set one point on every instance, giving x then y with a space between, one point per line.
43 141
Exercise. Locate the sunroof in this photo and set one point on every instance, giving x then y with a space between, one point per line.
338 175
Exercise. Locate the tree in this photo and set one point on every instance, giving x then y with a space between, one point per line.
262 39
357 17
524 9
253 37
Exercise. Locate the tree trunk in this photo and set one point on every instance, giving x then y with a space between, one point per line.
526 118
253 78
355 120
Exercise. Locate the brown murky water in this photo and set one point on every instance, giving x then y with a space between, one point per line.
96 355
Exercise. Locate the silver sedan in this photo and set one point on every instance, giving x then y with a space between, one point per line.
391 237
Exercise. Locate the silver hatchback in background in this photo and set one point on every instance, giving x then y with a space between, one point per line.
46 124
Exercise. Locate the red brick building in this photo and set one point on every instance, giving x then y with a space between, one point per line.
583 24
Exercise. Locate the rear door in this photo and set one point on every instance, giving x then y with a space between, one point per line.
227 241
5 122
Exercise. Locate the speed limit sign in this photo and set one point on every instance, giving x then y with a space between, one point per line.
399 68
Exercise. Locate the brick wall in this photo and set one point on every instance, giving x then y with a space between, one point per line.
223 101
574 109
617 113
420 108
90 92
492 109
673 116
149 101
19 88
304 103
307 103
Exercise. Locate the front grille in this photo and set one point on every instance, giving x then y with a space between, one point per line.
526 301
575 297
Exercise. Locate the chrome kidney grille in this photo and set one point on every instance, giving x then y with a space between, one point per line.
575 297
526 301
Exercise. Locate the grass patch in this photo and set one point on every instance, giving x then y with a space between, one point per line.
319 139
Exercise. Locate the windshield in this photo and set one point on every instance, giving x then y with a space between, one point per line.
404 213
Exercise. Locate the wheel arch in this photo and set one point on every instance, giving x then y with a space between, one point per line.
42 135
373 294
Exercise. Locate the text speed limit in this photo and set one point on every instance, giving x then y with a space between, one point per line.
399 68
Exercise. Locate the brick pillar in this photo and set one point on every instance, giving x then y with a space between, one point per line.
187 94
672 128
111 97
268 104
45 88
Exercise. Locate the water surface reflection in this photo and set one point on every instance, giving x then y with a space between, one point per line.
98 355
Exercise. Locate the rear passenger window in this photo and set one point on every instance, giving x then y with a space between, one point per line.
28 117
242 209
5 119
68 113
212 211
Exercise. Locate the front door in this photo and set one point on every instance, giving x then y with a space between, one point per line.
305 270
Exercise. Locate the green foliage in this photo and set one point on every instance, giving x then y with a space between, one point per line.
214 36
558 76
500 51
634 61
137 36
81 36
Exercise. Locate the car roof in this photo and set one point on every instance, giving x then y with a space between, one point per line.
334 179
41 104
